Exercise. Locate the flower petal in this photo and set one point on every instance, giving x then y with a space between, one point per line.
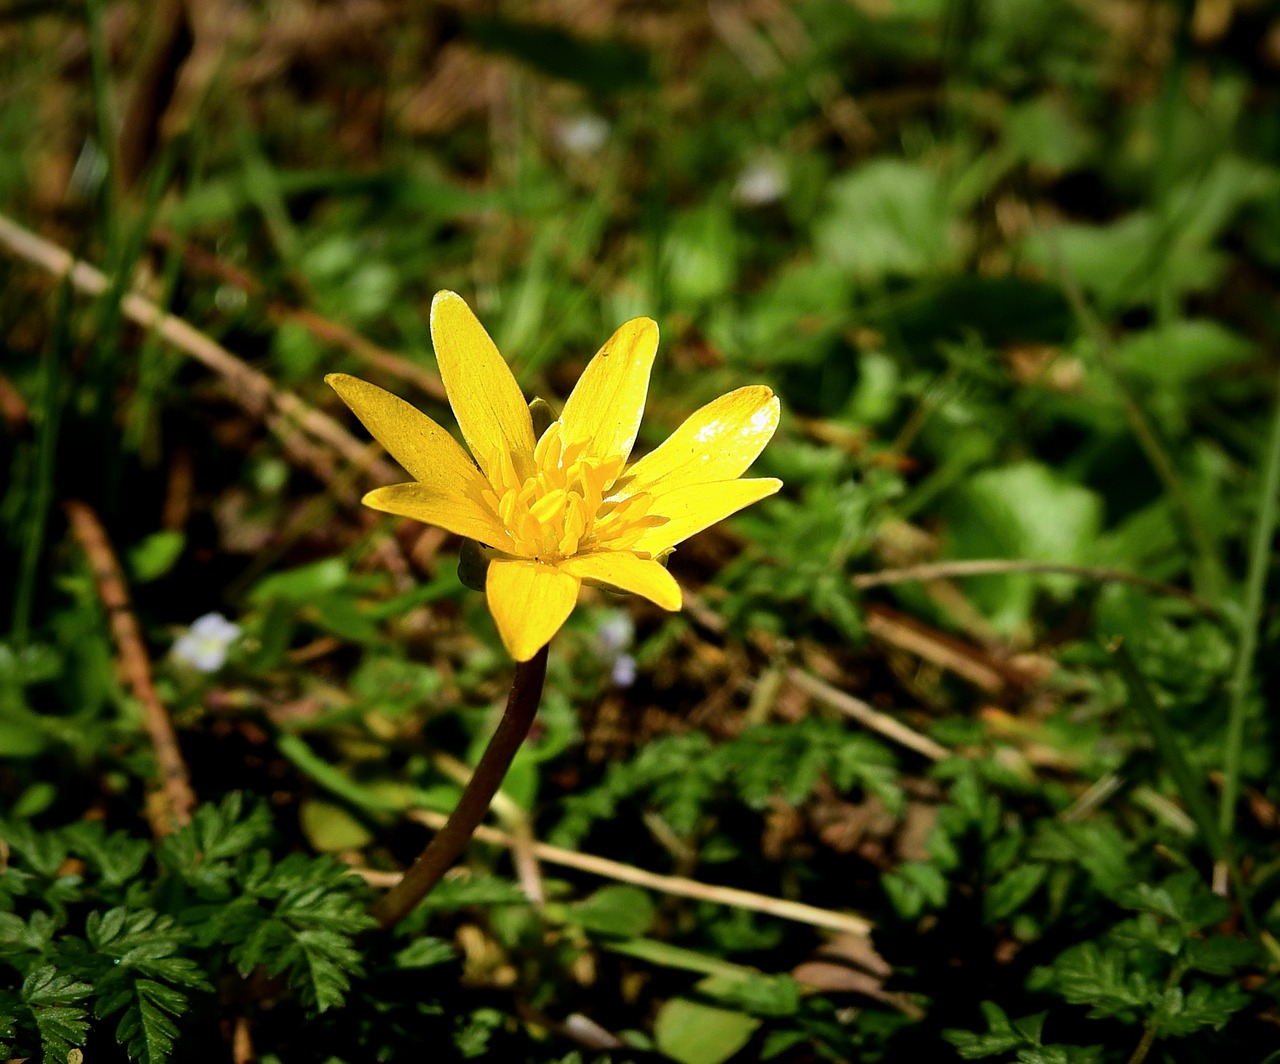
605 407
717 442
689 510
429 454
625 570
454 511
529 602
485 397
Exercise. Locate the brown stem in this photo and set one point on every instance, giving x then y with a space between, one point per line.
448 844
177 799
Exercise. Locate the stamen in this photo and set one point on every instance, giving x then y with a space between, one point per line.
566 507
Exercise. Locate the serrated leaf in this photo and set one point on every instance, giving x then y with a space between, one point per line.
915 886
146 942
1008 894
1089 974
1059 1054
971 1045
43 851
51 996
216 834
328 957
146 1029
304 920
1180 1013
1219 955
1182 898
116 857
141 971
424 953
1000 1036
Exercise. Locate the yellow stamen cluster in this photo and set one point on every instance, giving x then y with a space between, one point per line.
565 507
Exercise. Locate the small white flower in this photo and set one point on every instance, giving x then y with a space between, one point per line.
584 134
616 634
624 671
614 637
204 647
760 183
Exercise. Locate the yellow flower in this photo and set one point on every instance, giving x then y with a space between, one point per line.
564 508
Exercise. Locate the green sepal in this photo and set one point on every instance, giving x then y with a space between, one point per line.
543 414
473 565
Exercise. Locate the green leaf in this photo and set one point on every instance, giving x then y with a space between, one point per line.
330 828
1182 898
201 851
1044 133
754 992
50 996
693 1033
302 585
1089 974
617 909
425 952
1182 351
146 1029
698 254
155 555
304 922
1060 1054
480 890
1024 511
887 217
915 886
1011 891
1180 1013
1220 955
1116 262
116 857
22 733
146 942
603 64
341 615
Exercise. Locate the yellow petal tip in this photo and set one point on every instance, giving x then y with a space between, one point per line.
444 296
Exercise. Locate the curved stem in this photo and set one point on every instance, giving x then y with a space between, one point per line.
449 842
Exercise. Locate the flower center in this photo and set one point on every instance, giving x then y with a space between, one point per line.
565 507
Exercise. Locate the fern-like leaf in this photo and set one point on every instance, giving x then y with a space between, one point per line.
140 975
146 1029
51 996
307 914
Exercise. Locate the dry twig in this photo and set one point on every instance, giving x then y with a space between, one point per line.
1001 566
945 651
253 391
867 716
135 666
324 330
623 873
